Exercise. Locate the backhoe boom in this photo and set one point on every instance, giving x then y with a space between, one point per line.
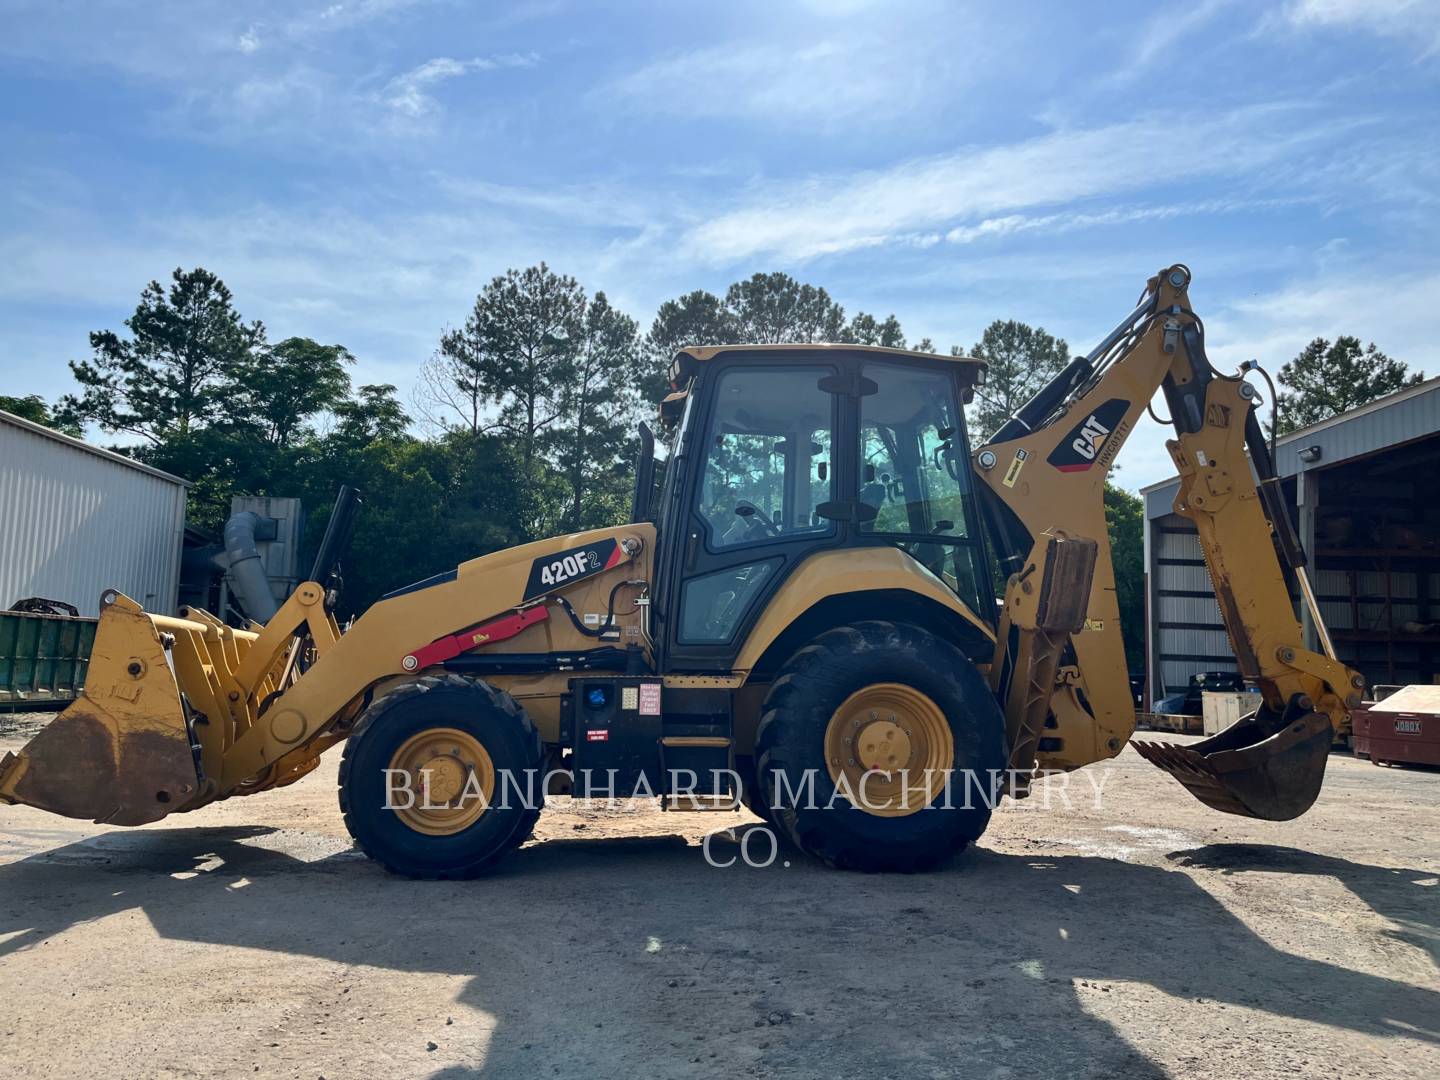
1044 474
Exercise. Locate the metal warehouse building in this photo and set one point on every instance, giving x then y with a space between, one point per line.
76 520
1365 489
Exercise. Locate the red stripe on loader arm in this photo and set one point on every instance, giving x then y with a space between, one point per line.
442 649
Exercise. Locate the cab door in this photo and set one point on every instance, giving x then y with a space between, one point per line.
764 453
915 487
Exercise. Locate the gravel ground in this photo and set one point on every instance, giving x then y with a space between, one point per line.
1145 937
22 725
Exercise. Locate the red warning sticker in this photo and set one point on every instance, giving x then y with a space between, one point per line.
598 735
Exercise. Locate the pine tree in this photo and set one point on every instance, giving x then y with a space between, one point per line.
177 370
1326 380
599 405
1021 360
518 350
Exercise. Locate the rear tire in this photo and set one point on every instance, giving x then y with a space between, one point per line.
948 699
434 711
752 794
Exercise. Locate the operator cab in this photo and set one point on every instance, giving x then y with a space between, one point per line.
777 452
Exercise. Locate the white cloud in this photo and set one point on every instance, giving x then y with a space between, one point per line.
1395 312
249 41
409 93
346 14
854 77
1160 33
824 215
1418 20
1069 221
1391 310
607 204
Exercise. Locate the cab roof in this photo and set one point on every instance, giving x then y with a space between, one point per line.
683 365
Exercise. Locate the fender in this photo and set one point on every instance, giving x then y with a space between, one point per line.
846 572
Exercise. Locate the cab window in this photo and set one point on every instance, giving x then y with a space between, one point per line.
914 472
768 457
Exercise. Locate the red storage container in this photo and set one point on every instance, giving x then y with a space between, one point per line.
1404 728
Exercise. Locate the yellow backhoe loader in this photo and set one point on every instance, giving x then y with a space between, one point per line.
800 613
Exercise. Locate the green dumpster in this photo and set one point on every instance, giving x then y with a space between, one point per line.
43 658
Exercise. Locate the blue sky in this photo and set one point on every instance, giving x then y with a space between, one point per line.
357 169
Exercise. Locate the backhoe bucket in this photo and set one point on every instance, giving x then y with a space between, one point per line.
121 754
1259 767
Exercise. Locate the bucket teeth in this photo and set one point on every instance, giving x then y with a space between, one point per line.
1258 768
1195 773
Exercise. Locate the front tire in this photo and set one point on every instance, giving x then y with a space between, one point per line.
857 741
442 778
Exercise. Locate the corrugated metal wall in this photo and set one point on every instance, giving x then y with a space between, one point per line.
75 522
1187 634
1372 468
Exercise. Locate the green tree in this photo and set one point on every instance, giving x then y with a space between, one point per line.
1021 360
176 370
1326 380
374 415
32 407
280 389
867 330
697 318
763 309
519 348
599 406
770 308
1125 522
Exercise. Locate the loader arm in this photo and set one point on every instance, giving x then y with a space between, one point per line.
1043 477
179 712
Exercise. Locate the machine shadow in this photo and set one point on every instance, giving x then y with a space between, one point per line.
1408 898
784 966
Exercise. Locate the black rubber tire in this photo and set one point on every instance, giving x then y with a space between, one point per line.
791 739
751 793
490 715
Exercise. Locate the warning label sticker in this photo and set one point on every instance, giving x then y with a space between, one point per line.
1013 473
650 699
598 735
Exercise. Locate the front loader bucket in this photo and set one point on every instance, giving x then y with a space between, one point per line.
1258 767
121 753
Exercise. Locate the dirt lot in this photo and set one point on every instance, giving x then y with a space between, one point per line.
1149 937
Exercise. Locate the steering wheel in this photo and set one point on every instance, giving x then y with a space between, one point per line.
746 509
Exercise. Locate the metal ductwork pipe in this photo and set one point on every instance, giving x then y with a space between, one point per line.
246 574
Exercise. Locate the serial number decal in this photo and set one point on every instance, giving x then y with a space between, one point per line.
562 568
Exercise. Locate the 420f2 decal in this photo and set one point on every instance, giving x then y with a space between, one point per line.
1082 445
561 568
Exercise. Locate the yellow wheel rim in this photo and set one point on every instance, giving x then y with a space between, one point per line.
890 747
449 776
